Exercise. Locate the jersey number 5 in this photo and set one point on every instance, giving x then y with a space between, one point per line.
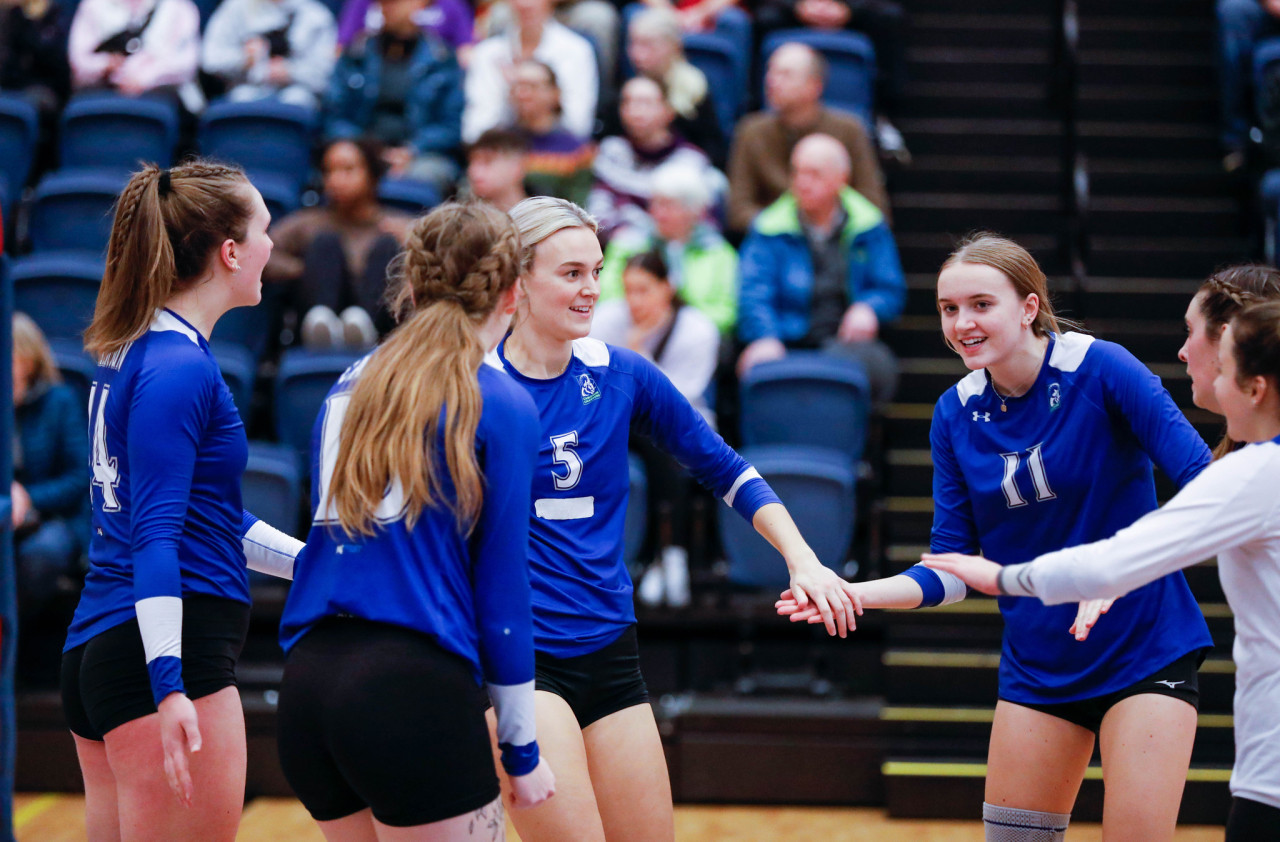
562 454
106 474
1035 463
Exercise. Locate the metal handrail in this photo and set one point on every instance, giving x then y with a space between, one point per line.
1065 96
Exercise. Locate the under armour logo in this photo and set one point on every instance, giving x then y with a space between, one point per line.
1170 684
982 416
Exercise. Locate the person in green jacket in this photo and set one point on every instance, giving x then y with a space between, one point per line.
702 265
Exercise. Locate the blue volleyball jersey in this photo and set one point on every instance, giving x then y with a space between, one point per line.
582 592
1068 463
469 593
167 451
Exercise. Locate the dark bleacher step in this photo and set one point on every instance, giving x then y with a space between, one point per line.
1162 216
909 473
1157 177
1161 299
1145 67
1163 256
744 750
980 29
923 252
1153 341
952 788
948 677
1045 8
1148 140
978 173
908 520
1012 99
907 425
1198 10
960 62
1148 33
46 760
965 731
1013 214
1153 103
976 136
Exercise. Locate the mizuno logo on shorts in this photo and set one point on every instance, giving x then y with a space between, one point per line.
1172 685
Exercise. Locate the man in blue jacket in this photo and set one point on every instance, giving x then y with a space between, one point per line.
819 269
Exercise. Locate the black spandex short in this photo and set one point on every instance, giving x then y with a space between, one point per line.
1252 821
598 683
1178 679
105 681
378 716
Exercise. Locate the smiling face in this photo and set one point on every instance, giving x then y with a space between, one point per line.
983 318
1200 353
563 284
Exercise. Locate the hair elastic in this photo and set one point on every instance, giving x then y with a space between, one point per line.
166 184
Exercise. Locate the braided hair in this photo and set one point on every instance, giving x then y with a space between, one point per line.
459 261
168 223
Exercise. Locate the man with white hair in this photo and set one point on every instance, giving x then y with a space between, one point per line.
701 265
820 270
762 143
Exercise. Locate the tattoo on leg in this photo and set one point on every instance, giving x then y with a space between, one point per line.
490 821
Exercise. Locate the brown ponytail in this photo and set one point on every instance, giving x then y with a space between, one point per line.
168 223
459 261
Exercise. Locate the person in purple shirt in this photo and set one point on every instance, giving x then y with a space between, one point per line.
449 20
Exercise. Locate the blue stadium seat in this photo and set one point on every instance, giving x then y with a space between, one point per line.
74 210
271 488
19 133
414 197
239 370
851 64
76 366
817 487
636 522
279 193
302 382
264 136
58 290
807 398
726 73
1265 53
117 133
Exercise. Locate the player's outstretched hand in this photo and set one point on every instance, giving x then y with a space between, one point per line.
1088 614
974 570
816 586
532 789
787 606
179 735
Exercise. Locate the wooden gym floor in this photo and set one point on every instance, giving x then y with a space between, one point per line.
60 818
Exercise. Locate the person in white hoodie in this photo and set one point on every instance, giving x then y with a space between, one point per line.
271 48
1231 510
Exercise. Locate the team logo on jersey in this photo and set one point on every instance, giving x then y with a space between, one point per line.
1055 396
589 391
982 416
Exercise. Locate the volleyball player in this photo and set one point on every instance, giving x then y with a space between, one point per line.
594 719
1049 442
414 585
1232 510
148 672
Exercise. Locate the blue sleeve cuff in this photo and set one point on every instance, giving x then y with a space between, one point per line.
929 582
166 677
519 760
753 494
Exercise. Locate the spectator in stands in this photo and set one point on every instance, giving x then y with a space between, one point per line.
1241 25
403 87
33 53
271 48
763 142
495 169
557 162
452 21
137 47
598 20
625 164
51 448
702 266
655 47
336 255
536 34
819 269
883 21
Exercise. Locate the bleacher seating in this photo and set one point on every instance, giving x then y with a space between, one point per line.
302 382
726 72
263 137
414 197
73 211
271 489
851 66
117 133
75 365
239 369
58 290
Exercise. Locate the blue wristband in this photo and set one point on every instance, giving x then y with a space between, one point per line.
519 760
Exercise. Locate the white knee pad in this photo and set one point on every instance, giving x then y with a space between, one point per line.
1005 824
